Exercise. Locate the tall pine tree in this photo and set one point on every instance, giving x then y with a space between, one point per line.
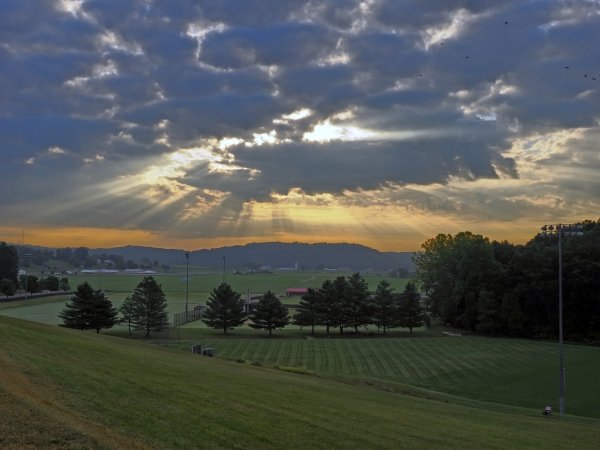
359 307
149 306
307 312
327 306
224 309
270 313
88 309
127 310
383 307
410 311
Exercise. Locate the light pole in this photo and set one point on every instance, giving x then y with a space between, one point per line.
187 282
27 256
551 231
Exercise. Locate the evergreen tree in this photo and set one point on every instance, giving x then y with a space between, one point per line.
127 312
149 306
224 309
383 307
359 307
88 309
410 311
341 302
307 312
270 313
327 306
103 314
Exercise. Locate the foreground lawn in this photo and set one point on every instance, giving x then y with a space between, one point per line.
69 389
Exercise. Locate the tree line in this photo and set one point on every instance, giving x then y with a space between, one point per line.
344 303
499 288
11 281
91 309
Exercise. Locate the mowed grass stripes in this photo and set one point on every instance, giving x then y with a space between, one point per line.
95 391
507 371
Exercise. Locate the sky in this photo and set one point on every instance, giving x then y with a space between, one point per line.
205 123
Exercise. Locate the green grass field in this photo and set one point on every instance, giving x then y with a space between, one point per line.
202 283
119 286
507 371
513 372
63 388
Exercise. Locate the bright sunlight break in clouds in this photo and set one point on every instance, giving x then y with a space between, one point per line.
201 123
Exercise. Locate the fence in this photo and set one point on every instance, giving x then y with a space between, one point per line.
182 318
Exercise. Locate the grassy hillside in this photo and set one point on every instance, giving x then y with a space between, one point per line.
63 388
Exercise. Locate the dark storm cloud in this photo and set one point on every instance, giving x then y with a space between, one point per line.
326 90
369 165
117 85
249 13
287 44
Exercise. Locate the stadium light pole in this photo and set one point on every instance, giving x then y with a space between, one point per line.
187 283
552 231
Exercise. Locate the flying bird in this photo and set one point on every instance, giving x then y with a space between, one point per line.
505 23
566 67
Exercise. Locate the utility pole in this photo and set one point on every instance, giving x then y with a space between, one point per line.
27 256
187 283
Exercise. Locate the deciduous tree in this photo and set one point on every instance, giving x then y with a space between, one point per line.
452 271
9 263
64 284
7 287
50 283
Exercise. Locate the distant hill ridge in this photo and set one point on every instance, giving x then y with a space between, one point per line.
275 255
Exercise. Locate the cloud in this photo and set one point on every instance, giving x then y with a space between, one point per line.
289 44
423 105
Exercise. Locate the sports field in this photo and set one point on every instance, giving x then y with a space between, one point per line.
507 371
119 286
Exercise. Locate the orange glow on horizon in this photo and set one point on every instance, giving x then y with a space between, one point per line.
106 238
